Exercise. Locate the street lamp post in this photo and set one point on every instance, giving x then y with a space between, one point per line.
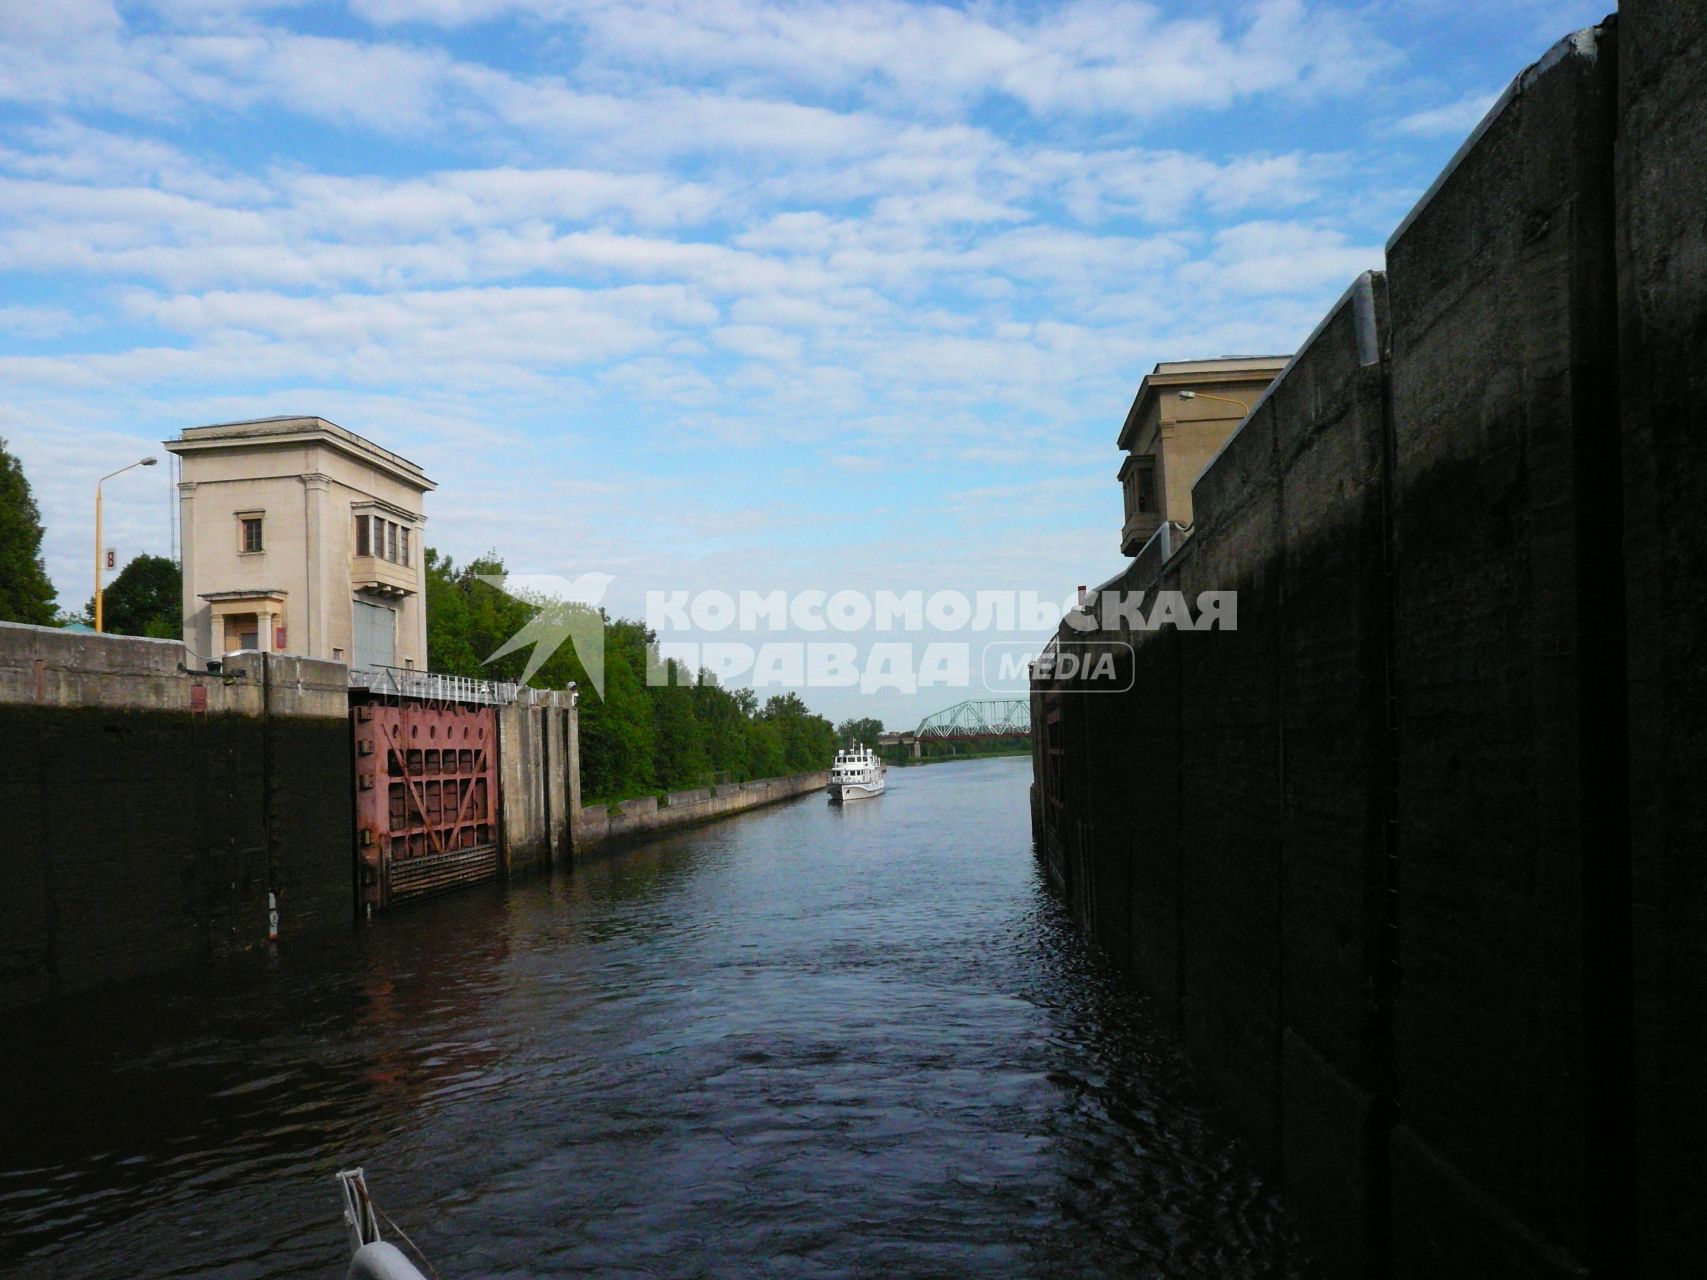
100 552
1204 395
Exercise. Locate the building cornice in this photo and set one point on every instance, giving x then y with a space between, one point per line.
274 433
259 593
367 506
1196 373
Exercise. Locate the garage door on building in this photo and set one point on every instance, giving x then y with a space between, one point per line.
375 636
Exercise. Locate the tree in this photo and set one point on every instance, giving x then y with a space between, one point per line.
767 752
807 741
616 732
26 594
146 599
864 730
722 716
679 754
656 725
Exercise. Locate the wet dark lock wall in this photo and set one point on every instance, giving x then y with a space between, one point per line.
141 840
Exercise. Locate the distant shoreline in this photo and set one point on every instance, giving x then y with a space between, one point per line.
983 755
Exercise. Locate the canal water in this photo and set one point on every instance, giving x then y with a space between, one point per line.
804 1042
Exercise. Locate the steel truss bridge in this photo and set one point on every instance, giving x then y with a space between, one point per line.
978 721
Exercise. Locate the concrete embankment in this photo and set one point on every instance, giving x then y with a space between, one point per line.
629 819
1412 857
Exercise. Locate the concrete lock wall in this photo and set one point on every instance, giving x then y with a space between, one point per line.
154 809
609 825
1333 691
1504 408
1267 793
1413 857
1230 792
539 770
157 807
1662 312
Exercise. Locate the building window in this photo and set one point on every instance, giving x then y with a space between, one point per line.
251 526
385 539
1146 489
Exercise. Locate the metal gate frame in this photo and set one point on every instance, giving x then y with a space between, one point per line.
426 797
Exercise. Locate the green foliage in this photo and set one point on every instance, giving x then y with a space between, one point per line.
468 619
617 757
643 735
146 599
679 754
26 594
936 752
866 730
807 740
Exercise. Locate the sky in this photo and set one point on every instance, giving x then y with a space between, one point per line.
700 294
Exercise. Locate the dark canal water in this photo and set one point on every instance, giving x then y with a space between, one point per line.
805 1042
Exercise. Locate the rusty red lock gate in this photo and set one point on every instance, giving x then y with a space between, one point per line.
426 797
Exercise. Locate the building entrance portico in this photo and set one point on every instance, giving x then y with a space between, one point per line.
247 620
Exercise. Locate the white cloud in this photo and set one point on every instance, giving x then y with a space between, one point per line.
1121 56
1281 257
726 271
36 322
1458 117
66 150
455 13
758 342
61 23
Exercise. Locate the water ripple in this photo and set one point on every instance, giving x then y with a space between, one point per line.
804 1042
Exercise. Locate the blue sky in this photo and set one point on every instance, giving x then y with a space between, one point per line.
710 294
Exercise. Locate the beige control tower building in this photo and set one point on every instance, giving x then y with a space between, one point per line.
302 537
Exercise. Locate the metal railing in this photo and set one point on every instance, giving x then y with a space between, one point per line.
404 682
1168 538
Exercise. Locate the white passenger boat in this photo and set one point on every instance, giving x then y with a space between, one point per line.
856 774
